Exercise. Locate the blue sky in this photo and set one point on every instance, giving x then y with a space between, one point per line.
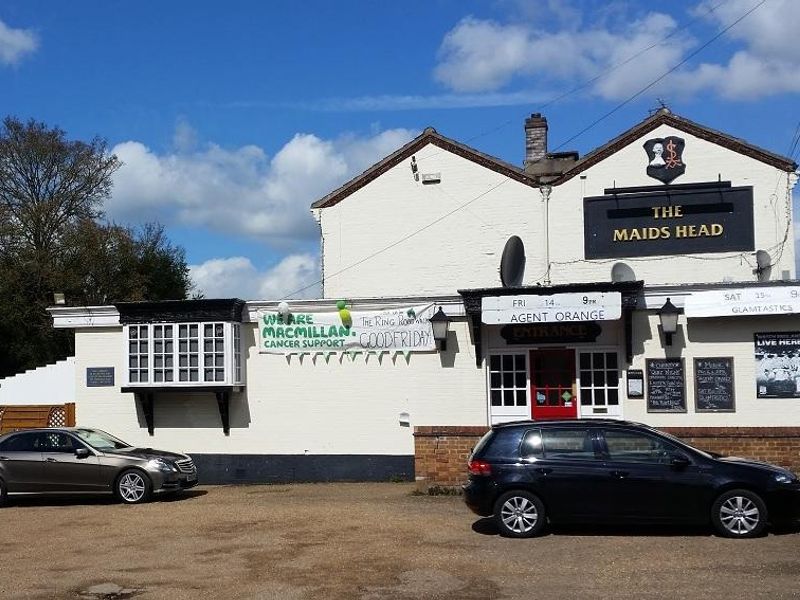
231 119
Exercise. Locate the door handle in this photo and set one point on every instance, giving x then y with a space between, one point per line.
48 459
544 470
3 458
619 474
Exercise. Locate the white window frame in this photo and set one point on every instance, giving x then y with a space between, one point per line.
587 411
502 413
231 345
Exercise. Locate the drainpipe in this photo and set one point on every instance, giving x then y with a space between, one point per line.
545 191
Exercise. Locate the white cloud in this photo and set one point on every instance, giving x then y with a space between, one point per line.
241 191
296 276
769 62
15 44
480 56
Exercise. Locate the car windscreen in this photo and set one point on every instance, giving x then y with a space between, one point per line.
100 440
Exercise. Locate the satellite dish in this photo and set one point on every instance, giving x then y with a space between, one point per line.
763 265
622 272
512 263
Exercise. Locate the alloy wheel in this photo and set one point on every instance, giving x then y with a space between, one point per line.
739 515
132 487
519 514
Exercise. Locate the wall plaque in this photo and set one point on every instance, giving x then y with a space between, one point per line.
99 376
666 389
660 220
713 384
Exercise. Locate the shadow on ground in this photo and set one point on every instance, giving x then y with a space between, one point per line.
94 500
486 526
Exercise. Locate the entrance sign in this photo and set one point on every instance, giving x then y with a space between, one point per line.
659 220
666 389
737 302
778 364
556 308
551 333
405 329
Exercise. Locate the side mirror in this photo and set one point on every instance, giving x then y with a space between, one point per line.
82 453
679 462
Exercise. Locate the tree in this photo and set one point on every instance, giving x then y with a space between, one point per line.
47 184
104 264
51 197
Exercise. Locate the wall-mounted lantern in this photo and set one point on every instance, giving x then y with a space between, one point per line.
668 315
441 324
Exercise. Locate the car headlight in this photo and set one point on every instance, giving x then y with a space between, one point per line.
785 477
161 465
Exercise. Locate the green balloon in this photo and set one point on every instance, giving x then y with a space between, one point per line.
340 304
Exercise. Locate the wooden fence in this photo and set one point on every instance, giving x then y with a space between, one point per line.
17 416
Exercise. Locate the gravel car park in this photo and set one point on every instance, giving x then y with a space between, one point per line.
364 541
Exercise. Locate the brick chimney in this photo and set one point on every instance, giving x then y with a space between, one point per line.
535 138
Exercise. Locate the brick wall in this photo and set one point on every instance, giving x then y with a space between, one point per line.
440 453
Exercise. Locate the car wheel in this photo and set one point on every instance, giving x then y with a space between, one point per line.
739 514
3 493
133 487
519 514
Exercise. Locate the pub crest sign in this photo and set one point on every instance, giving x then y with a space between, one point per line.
665 158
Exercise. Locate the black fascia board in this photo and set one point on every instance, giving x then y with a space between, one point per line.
181 311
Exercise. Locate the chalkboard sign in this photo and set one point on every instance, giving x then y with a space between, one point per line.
713 384
665 385
99 376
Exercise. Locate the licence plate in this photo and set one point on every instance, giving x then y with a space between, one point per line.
191 477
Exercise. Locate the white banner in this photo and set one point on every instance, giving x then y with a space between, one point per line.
737 302
405 329
556 308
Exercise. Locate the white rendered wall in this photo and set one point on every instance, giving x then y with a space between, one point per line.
714 337
294 407
50 384
463 250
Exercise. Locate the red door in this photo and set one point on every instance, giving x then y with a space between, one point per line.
553 390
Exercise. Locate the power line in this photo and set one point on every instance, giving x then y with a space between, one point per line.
662 76
468 202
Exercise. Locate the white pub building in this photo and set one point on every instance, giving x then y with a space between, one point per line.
651 280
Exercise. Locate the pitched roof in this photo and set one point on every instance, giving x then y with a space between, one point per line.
665 117
429 136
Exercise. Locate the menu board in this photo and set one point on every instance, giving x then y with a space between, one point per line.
713 384
665 385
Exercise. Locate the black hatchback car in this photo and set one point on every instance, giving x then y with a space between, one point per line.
600 471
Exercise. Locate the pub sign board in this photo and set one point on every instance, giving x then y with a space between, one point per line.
551 333
660 220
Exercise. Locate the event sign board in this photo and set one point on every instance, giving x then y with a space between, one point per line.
555 308
405 329
738 302
685 219
714 387
778 364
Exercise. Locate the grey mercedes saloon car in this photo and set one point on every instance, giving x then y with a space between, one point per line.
83 460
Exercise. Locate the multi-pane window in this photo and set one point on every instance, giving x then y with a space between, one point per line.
599 378
163 353
188 352
508 379
214 352
138 354
237 352
185 354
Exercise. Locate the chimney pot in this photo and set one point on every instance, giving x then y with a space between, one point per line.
535 138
